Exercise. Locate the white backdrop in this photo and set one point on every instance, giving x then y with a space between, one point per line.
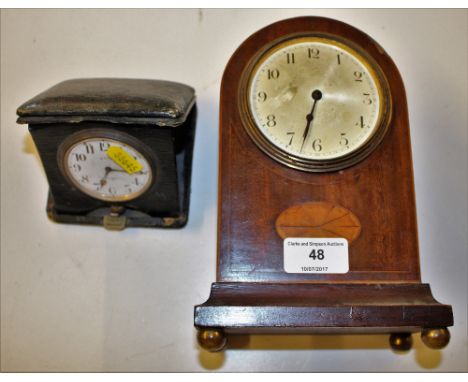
84 299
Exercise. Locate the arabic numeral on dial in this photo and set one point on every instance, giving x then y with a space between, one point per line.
89 148
338 57
80 157
357 76
367 99
76 167
361 122
343 140
316 145
262 96
112 190
271 121
291 133
136 182
313 53
103 146
273 74
290 58
84 179
317 254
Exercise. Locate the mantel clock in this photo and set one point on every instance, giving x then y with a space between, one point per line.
317 226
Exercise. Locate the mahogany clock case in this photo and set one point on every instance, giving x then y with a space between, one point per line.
382 290
379 190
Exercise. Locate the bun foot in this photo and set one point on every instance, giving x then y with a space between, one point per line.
401 341
211 339
435 338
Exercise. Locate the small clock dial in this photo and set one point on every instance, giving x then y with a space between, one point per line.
91 168
315 99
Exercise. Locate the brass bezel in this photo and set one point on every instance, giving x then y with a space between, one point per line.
112 135
297 162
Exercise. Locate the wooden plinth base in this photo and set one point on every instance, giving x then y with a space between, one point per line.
322 308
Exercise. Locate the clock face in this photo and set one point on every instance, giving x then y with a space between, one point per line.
314 101
107 169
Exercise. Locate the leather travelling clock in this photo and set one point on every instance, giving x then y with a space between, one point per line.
317 226
117 152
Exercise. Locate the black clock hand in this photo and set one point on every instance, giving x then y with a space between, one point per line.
103 181
316 95
109 169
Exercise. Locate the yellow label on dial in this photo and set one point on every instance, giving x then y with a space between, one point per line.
124 159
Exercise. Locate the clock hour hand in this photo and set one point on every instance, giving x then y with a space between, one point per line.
108 169
103 181
316 95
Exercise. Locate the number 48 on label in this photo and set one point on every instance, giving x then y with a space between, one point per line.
317 254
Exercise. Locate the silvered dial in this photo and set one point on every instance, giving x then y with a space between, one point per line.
315 98
91 169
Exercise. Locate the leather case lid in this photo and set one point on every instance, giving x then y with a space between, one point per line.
116 100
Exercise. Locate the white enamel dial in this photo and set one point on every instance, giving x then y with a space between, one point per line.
315 98
90 168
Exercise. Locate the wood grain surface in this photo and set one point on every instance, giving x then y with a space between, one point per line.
371 203
254 189
318 219
321 308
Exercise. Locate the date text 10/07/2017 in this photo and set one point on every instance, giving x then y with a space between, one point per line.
314 269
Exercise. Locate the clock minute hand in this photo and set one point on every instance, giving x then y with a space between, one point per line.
114 169
316 95
309 118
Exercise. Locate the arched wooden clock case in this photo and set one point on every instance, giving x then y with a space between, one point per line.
382 291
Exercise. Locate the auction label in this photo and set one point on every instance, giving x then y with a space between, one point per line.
124 159
315 255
